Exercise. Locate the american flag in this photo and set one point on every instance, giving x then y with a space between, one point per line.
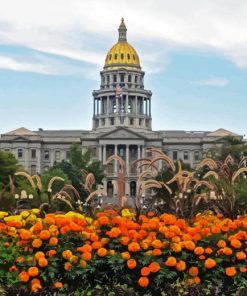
119 91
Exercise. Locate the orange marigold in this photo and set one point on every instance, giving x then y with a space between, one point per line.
33 271
43 262
44 234
143 281
39 255
58 285
210 263
208 251
25 234
189 245
157 252
154 267
230 271
221 244
145 271
181 265
131 263
227 251
67 254
102 252
24 276
134 247
171 261
36 243
197 280
157 244
199 251
96 245
53 241
51 253
67 266
125 255
241 255
243 269
36 287
86 256
235 243
193 271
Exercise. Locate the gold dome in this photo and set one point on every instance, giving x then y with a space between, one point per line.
122 54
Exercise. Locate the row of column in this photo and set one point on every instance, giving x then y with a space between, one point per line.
99 105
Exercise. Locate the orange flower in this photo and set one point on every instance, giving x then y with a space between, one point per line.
102 252
134 247
124 240
145 271
83 263
85 248
25 234
114 232
157 252
67 254
143 281
235 243
199 251
193 271
243 269
154 267
36 243
49 219
96 245
104 220
39 255
208 251
53 241
189 245
227 251
221 244
241 255
197 280
230 271
86 256
131 263
171 261
43 262
210 263
33 271
157 244
181 265
51 253
112 252
176 247
24 276
36 287
44 234
20 259
67 266
125 255
58 285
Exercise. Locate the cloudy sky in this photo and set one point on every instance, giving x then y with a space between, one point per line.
194 54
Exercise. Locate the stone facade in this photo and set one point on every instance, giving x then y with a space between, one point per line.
122 125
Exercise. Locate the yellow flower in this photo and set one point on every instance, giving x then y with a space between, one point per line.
3 214
35 211
127 214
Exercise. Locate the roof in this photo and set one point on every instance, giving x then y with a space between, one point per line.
222 133
22 131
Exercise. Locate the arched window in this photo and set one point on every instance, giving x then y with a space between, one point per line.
128 56
122 56
109 189
115 57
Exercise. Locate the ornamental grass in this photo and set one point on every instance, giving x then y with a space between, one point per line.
152 255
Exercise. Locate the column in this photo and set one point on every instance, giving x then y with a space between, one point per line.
115 162
127 159
107 105
138 152
94 106
104 153
135 104
97 106
100 153
101 105
126 103
146 106
143 106
149 106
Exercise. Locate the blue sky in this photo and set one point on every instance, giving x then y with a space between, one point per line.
194 55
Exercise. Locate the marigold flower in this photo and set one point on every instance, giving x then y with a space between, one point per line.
221 244
39 255
86 256
43 262
67 254
235 243
189 245
197 280
208 251
143 281
67 266
154 267
36 287
33 271
193 271
171 261
103 220
227 251
124 240
131 263
157 244
20 259
112 252
51 253
145 271
210 263
243 269
83 263
102 252
125 255
44 235
58 285
36 243
134 247
53 241
181 265
199 251
241 255
25 234
176 247
24 276
230 271
85 248
157 252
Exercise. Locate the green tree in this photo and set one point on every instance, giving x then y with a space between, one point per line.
8 166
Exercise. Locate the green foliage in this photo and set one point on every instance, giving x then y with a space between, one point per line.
54 172
8 166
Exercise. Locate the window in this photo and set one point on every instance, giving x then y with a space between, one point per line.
103 121
115 57
67 154
129 78
122 56
94 152
108 78
114 78
128 56
175 155
122 77
33 169
46 154
131 121
6 150
112 121
140 122
33 153
20 153
134 58
135 79
196 155
186 155
109 57
57 155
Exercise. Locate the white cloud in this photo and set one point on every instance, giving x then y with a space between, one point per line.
216 81
84 30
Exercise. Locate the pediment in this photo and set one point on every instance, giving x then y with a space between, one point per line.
20 139
121 133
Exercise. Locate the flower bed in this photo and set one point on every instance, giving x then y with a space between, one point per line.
72 253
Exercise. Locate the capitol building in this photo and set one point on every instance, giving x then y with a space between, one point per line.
121 125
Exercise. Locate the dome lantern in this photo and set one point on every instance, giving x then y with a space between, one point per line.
122 30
